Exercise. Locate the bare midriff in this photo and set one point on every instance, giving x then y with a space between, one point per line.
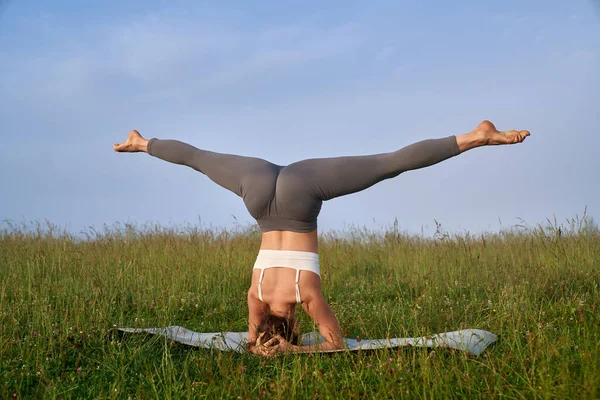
287 240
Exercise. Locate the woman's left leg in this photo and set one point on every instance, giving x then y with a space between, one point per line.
328 178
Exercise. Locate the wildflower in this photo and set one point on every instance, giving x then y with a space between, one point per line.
78 369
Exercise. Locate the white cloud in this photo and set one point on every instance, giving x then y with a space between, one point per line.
159 53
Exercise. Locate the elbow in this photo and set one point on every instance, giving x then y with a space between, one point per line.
335 345
339 346
337 342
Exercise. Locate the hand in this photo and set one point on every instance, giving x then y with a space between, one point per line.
269 349
283 345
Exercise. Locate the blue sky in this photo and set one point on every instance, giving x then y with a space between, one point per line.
286 82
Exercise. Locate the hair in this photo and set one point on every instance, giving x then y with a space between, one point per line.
273 325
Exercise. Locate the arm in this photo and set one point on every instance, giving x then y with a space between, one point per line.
256 312
328 326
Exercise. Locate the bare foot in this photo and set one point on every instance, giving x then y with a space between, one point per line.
134 143
489 135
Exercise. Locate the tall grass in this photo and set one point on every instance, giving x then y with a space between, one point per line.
61 297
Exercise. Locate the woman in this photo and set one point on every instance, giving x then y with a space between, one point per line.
285 201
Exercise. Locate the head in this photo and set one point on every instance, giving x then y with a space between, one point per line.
273 325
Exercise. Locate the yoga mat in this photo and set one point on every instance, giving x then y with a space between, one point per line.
474 341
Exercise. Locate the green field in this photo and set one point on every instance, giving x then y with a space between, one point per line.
61 297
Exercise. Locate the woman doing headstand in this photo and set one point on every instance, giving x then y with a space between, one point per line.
285 201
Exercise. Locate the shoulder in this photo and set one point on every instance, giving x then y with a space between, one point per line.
310 288
312 298
253 295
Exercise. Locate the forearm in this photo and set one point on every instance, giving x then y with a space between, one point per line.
325 346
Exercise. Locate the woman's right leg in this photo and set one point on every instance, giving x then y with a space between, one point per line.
242 175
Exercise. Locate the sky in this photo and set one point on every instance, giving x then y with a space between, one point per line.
286 82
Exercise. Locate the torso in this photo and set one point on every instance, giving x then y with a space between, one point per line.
286 240
278 288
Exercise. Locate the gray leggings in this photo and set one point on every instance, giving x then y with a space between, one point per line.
290 197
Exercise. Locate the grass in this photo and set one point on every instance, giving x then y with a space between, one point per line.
61 297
